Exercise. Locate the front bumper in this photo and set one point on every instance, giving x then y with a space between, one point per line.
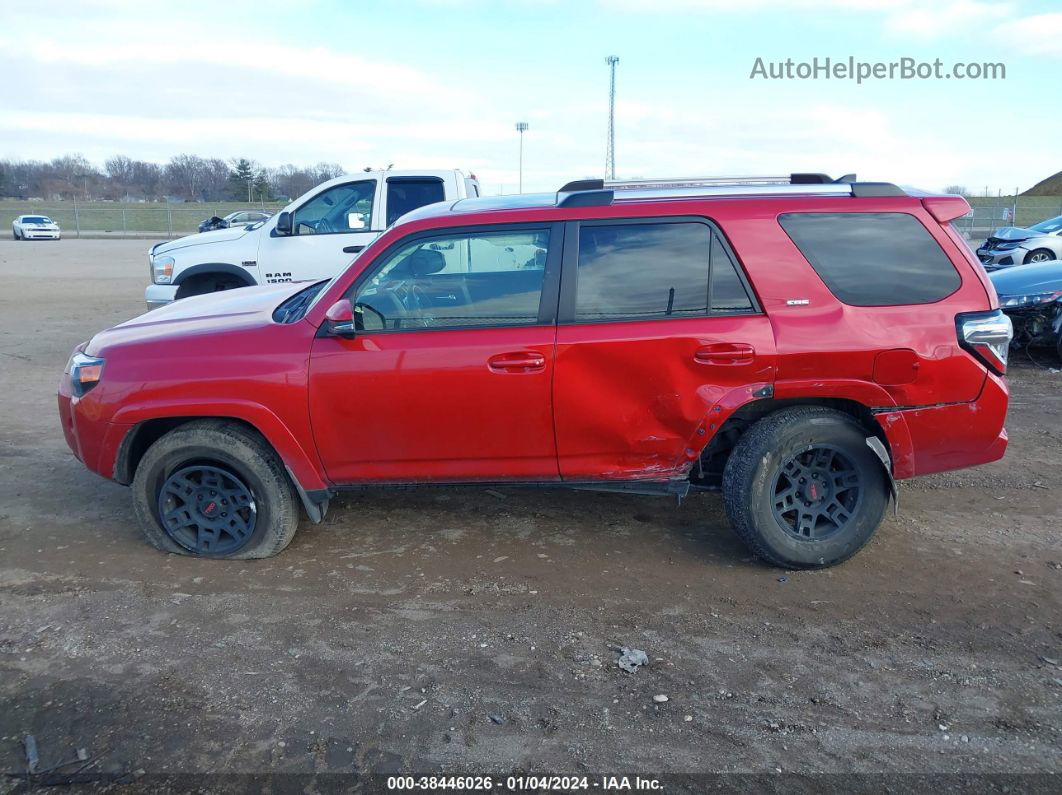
93 441
994 260
41 234
160 294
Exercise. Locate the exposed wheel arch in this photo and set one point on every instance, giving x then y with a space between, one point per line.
211 277
714 456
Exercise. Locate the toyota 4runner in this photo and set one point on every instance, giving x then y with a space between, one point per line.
798 343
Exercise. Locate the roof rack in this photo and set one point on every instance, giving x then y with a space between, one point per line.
599 192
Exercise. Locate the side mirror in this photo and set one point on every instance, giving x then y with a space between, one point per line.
339 319
284 224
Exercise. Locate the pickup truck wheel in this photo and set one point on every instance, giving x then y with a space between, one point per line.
214 489
803 490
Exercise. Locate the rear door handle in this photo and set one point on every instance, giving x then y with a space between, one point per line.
352 249
517 362
725 353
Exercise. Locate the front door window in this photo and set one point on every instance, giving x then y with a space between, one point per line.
340 209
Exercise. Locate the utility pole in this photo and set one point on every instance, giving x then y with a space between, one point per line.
610 151
521 127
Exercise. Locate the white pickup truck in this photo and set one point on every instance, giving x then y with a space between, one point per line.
314 237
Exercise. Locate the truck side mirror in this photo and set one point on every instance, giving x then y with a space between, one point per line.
339 319
284 223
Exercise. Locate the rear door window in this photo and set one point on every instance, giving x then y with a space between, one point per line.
649 271
873 259
408 193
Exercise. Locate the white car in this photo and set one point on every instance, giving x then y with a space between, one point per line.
35 227
239 218
314 237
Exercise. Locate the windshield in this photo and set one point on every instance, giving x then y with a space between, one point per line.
36 219
1050 226
294 308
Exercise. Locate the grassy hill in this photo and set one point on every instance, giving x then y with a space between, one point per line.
1052 186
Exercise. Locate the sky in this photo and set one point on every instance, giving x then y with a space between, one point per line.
441 84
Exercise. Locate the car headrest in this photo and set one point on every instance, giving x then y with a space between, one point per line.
425 261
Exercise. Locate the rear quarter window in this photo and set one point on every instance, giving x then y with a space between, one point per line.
873 259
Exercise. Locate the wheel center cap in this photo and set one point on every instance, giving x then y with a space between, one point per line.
210 509
815 491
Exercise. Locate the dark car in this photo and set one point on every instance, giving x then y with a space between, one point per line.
1032 296
239 218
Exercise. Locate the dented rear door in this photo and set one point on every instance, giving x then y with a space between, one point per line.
658 326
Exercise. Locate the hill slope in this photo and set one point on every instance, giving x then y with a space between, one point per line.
1052 186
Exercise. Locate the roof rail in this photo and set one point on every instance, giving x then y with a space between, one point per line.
599 192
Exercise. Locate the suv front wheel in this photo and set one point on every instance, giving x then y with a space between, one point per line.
215 489
803 489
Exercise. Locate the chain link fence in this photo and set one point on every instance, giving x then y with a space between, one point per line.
988 213
149 221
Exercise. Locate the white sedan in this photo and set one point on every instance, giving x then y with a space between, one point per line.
35 227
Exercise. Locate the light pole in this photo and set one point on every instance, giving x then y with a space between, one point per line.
610 147
521 127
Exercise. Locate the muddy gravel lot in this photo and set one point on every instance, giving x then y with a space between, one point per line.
473 630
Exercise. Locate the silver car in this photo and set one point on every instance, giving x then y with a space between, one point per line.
1018 245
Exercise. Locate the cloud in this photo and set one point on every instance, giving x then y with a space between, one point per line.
315 65
928 20
922 18
1040 34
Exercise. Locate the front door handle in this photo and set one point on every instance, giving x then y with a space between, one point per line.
517 362
725 353
352 249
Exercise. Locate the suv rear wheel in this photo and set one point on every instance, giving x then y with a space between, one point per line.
803 489
215 489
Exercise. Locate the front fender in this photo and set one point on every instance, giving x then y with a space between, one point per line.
300 461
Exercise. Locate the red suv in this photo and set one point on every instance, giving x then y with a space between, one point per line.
798 343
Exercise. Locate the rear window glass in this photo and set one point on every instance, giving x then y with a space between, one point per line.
873 259
407 194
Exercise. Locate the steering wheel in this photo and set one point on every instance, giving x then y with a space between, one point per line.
415 301
323 227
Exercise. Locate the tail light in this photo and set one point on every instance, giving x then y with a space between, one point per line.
986 336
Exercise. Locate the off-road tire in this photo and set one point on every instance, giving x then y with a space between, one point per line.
752 471
228 446
1029 258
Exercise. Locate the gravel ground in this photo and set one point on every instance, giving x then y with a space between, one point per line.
473 630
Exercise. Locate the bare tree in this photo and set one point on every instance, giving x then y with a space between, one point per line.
189 177
186 176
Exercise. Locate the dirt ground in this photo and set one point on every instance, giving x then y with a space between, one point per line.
472 630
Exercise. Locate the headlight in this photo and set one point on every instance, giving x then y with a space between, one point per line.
1033 299
161 269
1008 246
85 372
